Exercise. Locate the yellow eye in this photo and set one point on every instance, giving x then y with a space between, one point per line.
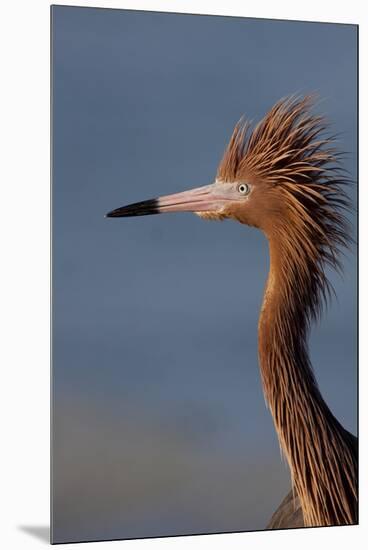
243 189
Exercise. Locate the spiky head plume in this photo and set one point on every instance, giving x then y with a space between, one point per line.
297 165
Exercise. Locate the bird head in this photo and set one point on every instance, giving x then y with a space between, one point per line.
278 174
282 176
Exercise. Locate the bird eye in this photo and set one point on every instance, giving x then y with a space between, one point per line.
244 189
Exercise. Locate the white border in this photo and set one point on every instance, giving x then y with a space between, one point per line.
24 127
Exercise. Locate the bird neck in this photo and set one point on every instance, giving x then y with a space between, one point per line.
320 452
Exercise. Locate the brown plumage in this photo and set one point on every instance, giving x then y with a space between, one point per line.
284 178
286 151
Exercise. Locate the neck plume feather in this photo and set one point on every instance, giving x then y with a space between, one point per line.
321 454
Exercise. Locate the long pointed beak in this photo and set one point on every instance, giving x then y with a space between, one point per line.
202 199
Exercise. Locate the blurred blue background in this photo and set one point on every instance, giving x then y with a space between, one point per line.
159 421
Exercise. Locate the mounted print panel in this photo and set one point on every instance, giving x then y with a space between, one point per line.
188 353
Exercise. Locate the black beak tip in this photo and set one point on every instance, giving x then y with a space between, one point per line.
143 208
118 212
110 214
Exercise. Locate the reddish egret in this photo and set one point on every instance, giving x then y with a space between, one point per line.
284 178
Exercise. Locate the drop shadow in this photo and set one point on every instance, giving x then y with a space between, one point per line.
41 532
